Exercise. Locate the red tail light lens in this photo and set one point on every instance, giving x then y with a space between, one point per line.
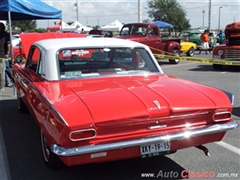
82 134
222 116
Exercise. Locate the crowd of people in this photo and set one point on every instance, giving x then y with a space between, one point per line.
209 41
6 79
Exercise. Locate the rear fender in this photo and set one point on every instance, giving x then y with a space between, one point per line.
229 95
172 44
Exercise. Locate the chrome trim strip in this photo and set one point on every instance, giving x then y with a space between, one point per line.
179 135
156 127
63 120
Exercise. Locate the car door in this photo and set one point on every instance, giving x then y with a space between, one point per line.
29 76
154 40
38 106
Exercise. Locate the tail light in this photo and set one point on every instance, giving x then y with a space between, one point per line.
82 135
222 116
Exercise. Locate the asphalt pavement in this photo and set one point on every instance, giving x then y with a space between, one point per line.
6 93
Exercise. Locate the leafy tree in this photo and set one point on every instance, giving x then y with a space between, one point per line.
40 30
96 27
24 25
146 21
169 11
69 23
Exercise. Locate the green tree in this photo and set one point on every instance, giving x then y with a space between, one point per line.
69 23
24 25
40 30
146 21
96 27
169 11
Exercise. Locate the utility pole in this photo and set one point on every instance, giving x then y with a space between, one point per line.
76 5
209 15
219 18
139 11
203 11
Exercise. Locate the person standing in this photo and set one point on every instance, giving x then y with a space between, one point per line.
82 31
212 42
5 47
8 74
2 63
3 55
205 42
221 37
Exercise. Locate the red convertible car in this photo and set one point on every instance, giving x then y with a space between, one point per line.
105 99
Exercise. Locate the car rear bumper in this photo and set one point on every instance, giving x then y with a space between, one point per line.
175 136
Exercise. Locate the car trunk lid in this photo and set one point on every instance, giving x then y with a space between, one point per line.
140 99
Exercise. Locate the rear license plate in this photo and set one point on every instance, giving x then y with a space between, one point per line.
154 148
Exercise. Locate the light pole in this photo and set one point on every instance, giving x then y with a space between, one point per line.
139 11
203 11
209 14
219 19
76 5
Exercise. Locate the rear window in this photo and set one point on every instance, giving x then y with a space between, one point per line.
96 62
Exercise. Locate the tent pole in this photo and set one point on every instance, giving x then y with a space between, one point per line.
11 49
10 32
61 25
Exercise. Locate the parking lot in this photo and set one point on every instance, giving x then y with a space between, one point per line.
21 157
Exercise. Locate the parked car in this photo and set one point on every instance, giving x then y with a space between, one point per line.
19 54
98 32
230 50
188 48
191 36
106 99
150 35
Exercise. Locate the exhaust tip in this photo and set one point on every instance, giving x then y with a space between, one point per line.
204 149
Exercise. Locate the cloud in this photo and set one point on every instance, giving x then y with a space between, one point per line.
102 12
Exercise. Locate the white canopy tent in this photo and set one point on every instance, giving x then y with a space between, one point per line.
113 26
76 24
77 27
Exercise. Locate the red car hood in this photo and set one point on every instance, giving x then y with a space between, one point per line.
28 39
127 97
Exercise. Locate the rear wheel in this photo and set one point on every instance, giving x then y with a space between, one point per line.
50 159
217 66
190 52
175 52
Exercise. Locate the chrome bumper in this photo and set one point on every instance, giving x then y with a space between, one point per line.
181 135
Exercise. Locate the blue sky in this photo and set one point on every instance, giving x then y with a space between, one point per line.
102 12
